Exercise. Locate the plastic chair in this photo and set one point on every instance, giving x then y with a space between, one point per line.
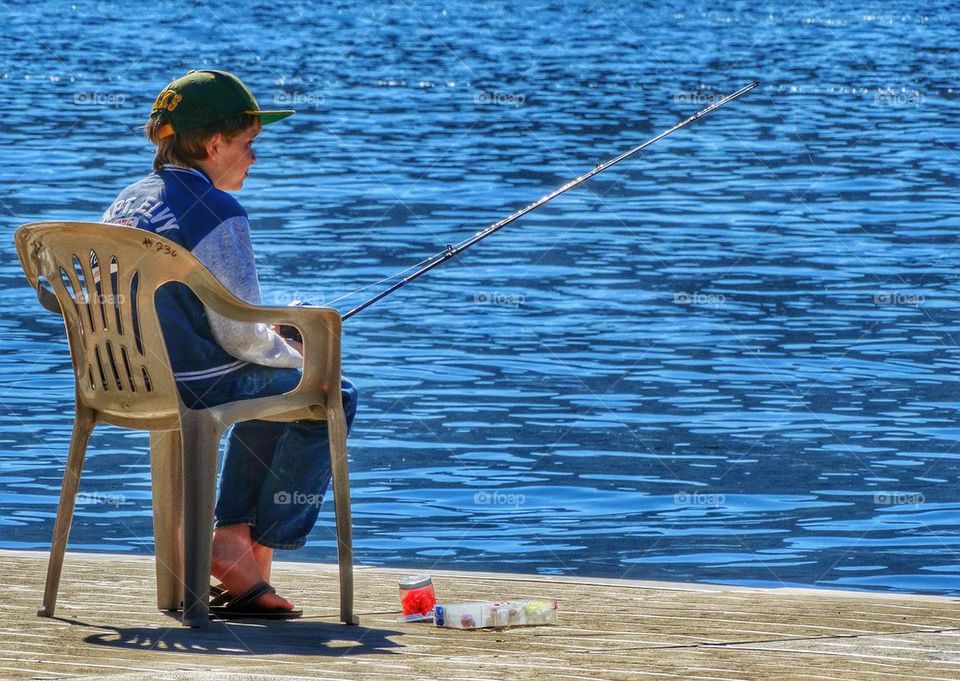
103 279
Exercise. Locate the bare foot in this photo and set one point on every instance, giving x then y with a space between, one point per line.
234 564
263 556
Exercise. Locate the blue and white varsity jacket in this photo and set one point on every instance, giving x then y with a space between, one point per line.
182 205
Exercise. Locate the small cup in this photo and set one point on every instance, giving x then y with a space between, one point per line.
417 598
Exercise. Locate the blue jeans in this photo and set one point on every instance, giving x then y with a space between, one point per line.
274 474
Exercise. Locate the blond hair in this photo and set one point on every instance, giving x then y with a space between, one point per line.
185 148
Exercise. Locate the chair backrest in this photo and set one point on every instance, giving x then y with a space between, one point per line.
105 278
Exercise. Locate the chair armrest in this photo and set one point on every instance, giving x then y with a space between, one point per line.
48 299
320 327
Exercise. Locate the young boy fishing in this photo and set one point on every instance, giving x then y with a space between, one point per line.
274 475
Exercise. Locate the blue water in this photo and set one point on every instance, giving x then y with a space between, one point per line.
732 359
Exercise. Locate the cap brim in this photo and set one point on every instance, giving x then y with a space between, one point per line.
267 117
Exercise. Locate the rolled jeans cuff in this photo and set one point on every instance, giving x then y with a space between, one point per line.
232 522
279 545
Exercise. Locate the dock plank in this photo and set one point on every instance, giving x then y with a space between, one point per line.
108 627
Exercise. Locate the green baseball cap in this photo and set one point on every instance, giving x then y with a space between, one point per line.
203 97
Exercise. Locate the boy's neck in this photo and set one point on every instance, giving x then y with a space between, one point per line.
193 169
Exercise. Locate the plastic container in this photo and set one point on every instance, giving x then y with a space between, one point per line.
417 598
484 615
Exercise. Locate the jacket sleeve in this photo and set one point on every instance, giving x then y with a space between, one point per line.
228 253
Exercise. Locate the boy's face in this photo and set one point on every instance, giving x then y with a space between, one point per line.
229 159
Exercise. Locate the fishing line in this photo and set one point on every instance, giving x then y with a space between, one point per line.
377 283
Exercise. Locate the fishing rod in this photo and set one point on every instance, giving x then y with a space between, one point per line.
453 251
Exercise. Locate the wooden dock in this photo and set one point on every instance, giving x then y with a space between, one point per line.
107 626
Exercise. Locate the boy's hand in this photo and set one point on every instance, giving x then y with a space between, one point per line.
295 344
287 332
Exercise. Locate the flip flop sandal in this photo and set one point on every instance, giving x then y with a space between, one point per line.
218 596
243 606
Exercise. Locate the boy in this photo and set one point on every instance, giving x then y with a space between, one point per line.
274 474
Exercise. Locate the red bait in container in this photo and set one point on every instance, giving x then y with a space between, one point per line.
417 598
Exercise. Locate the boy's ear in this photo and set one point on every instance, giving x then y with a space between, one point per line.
214 145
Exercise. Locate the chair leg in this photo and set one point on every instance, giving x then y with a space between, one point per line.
167 481
201 442
82 427
337 427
